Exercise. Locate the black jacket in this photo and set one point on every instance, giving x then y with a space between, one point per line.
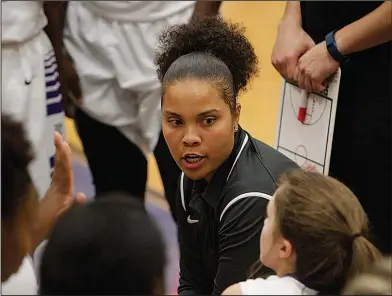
220 223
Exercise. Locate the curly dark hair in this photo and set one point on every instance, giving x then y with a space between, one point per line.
211 49
16 155
100 247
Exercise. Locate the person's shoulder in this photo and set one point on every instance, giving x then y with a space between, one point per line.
248 194
257 169
273 160
24 282
274 285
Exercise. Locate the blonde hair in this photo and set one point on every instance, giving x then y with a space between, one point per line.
377 280
327 227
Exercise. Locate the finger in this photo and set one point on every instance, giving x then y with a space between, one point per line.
63 151
311 167
296 74
67 154
280 67
62 173
317 87
283 72
301 80
57 139
291 70
80 198
323 86
308 84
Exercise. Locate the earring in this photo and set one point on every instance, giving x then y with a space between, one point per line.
236 129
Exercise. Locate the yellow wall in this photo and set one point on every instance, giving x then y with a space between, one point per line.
260 103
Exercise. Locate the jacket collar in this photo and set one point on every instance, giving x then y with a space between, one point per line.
211 191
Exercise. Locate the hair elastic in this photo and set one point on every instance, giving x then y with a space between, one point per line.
355 235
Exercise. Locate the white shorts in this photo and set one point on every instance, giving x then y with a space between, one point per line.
31 94
115 64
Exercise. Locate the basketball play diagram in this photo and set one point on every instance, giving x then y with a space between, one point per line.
306 123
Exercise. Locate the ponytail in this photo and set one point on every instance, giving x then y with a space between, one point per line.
364 254
374 281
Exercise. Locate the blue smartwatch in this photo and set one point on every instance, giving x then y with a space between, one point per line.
332 48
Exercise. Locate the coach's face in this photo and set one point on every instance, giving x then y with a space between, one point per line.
198 126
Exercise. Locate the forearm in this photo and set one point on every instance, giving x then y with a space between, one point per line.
373 29
55 13
206 8
292 14
42 225
49 211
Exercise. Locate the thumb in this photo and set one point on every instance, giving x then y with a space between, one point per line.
80 198
310 167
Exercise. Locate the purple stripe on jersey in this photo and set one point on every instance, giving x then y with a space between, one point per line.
51 162
53 85
53 94
54 108
50 63
49 55
50 72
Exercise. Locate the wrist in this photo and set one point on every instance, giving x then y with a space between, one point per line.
332 48
340 43
289 23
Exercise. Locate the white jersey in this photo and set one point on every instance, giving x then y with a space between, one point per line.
21 20
30 82
115 63
274 285
137 11
24 282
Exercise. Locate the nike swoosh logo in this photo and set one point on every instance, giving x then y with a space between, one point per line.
191 221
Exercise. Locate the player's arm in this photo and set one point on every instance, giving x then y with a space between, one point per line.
55 13
239 241
292 14
373 29
59 197
206 9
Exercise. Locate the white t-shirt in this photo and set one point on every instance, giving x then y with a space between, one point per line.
24 282
21 20
274 285
137 11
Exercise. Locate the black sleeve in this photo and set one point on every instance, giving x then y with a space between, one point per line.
239 241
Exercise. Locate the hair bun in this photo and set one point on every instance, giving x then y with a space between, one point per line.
214 36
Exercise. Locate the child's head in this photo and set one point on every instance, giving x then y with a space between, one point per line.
110 246
377 280
19 199
203 65
317 231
